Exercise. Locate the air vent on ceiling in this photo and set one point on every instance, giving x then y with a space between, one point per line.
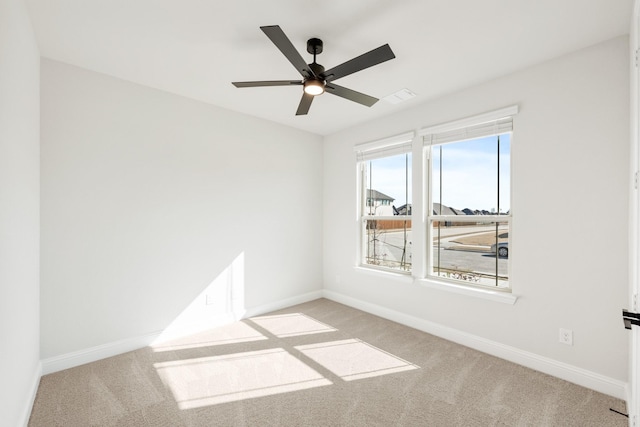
399 96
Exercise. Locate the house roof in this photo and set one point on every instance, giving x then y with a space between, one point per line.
439 209
378 195
402 210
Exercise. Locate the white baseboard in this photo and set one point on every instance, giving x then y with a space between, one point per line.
277 305
573 374
583 377
92 354
33 390
88 355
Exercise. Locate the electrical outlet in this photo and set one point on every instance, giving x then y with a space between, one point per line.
566 336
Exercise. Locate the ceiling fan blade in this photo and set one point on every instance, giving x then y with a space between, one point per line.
350 94
268 83
305 103
282 42
366 60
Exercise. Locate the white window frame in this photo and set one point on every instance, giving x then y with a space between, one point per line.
494 123
420 181
395 145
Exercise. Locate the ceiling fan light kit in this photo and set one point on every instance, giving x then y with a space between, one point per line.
314 87
315 80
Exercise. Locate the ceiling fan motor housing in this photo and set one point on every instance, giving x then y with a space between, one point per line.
315 85
317 69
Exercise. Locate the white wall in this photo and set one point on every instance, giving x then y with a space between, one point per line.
153 204
19 213
569 158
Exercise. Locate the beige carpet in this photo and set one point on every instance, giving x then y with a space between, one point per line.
315 364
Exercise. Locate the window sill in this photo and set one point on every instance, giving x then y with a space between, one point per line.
401 277
488 294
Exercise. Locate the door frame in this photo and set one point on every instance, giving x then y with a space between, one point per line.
633 395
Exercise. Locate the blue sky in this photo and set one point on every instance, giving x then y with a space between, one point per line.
388 175
469 174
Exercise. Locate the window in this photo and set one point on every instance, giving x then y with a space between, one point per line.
468 204
385 208
469 216
459 231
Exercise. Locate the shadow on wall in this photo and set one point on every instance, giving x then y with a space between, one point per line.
221 302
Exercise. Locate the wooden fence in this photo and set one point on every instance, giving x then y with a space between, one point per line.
389 224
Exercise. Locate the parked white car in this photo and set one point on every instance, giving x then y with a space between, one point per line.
503 249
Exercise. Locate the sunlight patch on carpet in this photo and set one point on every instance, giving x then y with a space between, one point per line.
221 379
233 333
291 325
353 359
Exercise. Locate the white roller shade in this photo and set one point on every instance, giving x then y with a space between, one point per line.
485 129
488 124
399 144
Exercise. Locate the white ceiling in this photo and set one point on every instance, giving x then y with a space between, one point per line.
196 48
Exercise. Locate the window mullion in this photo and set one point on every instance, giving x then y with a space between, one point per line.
498 206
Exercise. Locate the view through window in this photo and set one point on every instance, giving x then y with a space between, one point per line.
386 212
459 231
469 215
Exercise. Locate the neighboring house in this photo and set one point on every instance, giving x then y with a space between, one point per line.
439 209
468 211
402 210
379 203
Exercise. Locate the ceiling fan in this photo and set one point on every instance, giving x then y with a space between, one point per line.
315 79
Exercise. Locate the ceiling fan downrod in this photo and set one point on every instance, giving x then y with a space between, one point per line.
314 85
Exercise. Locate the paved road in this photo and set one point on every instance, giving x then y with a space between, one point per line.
479 262
450 255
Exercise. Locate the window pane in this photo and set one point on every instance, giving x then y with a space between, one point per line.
388 185
466 252
388 243
464 176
